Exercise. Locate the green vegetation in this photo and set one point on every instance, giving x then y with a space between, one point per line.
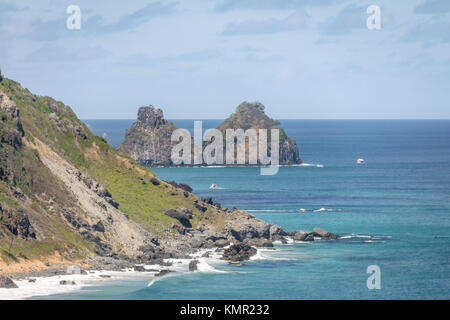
130 186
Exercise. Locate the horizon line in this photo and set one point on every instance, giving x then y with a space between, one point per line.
337 119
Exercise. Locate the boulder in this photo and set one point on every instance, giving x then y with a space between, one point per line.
181 214
155 181
276 232
182 186
99 227
325 235
239 252
244 228
67 282
199 207
193 265
302 235
7 283
139 268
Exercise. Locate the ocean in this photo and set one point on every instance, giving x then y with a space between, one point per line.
392 212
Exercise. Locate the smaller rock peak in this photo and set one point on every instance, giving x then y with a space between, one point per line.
149 116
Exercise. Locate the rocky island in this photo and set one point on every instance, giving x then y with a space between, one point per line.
148 140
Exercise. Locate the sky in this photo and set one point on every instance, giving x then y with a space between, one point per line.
199 59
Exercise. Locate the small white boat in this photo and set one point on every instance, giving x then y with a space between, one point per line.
360 161
213 186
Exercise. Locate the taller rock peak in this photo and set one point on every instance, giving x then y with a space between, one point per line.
150 117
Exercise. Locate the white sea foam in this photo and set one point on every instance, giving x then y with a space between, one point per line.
275 254
44 286
203 266
366 236
353 235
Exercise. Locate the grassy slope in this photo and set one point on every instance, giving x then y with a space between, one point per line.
56 125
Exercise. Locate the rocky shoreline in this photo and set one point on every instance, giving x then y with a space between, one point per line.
248 236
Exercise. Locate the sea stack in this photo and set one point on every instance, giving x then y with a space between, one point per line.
148 139
250 115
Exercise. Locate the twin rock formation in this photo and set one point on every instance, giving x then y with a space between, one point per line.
148 140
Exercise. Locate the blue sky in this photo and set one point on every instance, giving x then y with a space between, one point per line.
305 59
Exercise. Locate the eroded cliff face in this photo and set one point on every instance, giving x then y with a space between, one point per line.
148 139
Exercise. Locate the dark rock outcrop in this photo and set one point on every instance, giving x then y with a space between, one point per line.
17 222
7 283
325 235
99 227
303 235
239 252
181 214
245 227
148 140
155 181
193 265
199 206
251 116
182 186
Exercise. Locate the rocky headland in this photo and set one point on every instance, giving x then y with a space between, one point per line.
67 197
251 115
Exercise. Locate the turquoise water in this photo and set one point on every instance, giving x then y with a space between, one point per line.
393 211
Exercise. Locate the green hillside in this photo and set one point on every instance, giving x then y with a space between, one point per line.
33 199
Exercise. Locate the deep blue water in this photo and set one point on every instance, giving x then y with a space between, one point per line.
394 211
